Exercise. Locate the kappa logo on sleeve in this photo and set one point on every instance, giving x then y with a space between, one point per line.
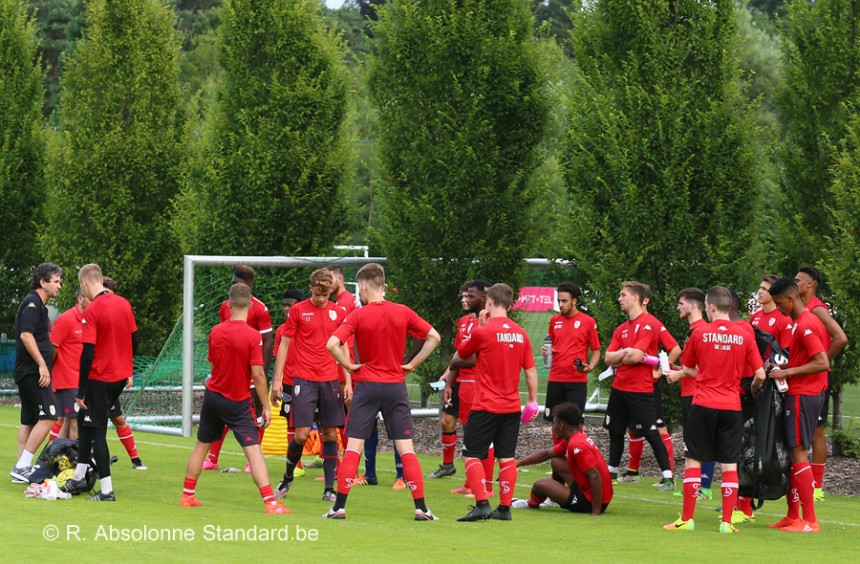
31 304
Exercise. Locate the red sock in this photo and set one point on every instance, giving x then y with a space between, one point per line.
412 474
792 498
476 478
189 486
489 465
745 505
55 430
535 500
670 449
449 445
817 473
507 481
267 494
215 448
126 437
692 483
346 471
730 494
803 478
636 445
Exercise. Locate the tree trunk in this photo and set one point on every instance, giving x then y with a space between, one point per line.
836 394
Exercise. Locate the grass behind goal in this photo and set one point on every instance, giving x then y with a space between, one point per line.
379 525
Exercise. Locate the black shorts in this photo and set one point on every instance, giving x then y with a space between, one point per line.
218 412
454 408
686 406
65 401
287 406
825 413
115 409
99 399
578 503
563 392
630 409
498 429
714 434
801 418
371 398
37 403
658 406
309 396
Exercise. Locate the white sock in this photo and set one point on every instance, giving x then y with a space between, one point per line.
80 471
667 473
107 485
612 469
26 459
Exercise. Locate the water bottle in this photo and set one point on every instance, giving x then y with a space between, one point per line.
547 360
664 362
651 360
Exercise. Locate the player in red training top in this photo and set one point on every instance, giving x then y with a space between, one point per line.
573 335
631 401
259 319
107 362
768 318
808 279
576 458
717 355
450 411
504 351
316 382
291 298
235 357
806 373
380 329
637 441
66 338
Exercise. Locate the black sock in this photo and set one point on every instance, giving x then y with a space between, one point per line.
294 455
483 503
340 502
419 504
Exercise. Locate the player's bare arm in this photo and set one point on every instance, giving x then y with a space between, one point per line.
262 388
758 381
837 335
431 341
30 344
337 350
593 361
532 385
818 363
596 490
277 377
268 347
536 457
616 358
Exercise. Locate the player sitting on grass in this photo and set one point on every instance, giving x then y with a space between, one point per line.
236 356
579 463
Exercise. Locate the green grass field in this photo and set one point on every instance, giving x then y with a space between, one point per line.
379 527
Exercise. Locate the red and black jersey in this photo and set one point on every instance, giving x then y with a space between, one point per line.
583 455
572 338
108 323
808 338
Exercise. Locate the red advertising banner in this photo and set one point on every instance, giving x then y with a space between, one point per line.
534 298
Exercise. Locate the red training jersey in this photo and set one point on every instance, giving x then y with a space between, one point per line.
108 323
688 385
258 315
308 327
583 455
749 370
810 306
808 337
66 336
347 301
290 365
642 333
233 348
464 331
380 330
504 350
572 337
723 351
775 323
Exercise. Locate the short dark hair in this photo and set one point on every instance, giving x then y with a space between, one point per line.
335 269
501 294
570 288
783 286
568 413
372 274
720 297
811 271
109 283
465 286
693 295
297 295
479 284
244 273
43 273
240 295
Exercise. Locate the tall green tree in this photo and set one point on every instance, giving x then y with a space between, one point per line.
841 258
461 94
275 156
822 57
22 154
659 155
120 158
